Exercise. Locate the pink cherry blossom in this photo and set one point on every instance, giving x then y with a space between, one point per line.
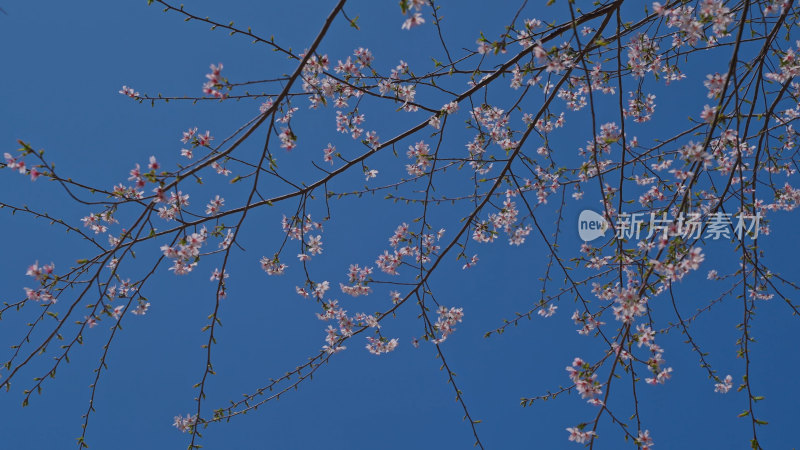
412 21
129 92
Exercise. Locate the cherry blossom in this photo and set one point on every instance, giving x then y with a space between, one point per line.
129 92
644 440
549 311
412 21
328 153
215 81
382 345
185 424
14 163
273 266
214 205
446 322
577 435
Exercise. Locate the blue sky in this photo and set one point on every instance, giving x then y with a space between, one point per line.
65 64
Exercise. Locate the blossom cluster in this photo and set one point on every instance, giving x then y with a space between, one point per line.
389 262
19 165
41 274
186 254
585 380
214 83
446 322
